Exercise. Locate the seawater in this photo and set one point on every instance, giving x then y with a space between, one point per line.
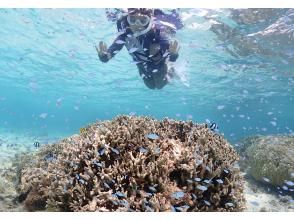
52 82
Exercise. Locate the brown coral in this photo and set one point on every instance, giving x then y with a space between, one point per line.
136 164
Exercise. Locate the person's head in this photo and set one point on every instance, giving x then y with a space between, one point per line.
139 19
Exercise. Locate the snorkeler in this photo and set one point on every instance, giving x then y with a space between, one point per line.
147 43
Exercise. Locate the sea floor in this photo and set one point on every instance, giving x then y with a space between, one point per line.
258 196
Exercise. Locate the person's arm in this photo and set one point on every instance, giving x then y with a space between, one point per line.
105 54
174 50
169 48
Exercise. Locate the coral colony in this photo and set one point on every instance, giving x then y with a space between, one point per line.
134 164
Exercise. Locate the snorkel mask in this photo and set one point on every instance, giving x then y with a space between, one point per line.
140 18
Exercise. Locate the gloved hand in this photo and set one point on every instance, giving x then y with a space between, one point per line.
103 54
174 47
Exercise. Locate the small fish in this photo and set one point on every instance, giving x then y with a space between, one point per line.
273 123
206 181
165 54
219 181
132 50
101 151
97 163
143 150
149 209
114 202
190 181
120 42
43 115
197 179
220 107
199 162
229 204
178 195
285 188
120 194
266 179
49 158
155 71
82 181
182 208
173 209
289 183
77 176
202 188
213 126
226 171
152 189
106 185
37 144
149 194
132 113
152 136
206 202
124 202
157 150
115 151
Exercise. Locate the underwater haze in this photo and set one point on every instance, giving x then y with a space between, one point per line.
235 69
52 82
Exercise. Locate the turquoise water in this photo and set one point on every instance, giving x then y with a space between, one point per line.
52 83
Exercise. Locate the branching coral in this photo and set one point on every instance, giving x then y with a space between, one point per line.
136 164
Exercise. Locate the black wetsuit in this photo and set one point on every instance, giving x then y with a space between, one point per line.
152 68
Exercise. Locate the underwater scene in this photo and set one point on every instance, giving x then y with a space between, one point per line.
157 110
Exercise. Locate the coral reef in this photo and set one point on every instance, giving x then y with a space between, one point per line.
134 164
269 159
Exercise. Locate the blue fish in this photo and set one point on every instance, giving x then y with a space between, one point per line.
120 194
229 204
182 208
289 183
97 163
143 150
178 195
202 188
157 150
101 151
213 127
197 179
152 136
152 189
219 181
49 157
115 150
206 202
